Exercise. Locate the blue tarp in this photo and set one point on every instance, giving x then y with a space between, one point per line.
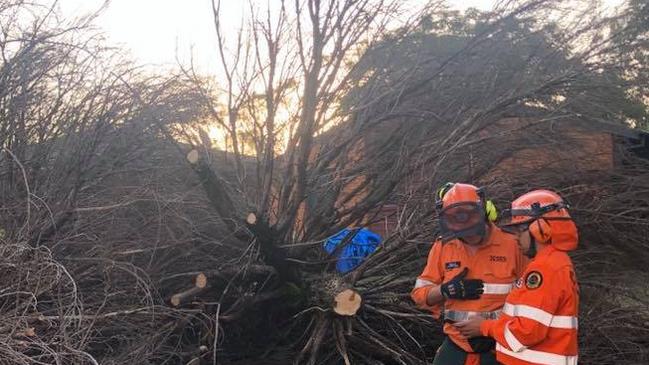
363 243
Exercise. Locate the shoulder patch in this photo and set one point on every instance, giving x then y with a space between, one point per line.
533 280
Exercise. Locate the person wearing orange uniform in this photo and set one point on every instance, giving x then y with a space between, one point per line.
539 321
470 270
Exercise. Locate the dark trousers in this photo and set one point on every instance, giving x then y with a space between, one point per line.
451 354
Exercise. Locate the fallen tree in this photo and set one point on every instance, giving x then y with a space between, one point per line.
141 243
417 108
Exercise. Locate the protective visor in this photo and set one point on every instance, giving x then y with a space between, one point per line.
462 219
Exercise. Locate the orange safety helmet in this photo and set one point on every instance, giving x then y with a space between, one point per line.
463 211
547 217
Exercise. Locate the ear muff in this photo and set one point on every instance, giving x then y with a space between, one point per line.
439 195
541 231
491 212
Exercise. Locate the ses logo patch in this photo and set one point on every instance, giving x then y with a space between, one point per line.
452 265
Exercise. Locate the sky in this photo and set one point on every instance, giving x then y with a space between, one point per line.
155 32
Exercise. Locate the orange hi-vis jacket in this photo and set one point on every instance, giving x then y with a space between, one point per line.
498 262
538 324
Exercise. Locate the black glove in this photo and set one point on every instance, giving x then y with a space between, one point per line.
461 288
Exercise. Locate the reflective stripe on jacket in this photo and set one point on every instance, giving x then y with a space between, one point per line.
538 324
498 262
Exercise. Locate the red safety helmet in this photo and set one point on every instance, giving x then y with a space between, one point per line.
546 215
463 211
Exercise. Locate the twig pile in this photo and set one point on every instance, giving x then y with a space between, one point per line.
40 310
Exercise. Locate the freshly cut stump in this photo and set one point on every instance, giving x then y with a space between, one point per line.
251 219
347 302
192 157
200 281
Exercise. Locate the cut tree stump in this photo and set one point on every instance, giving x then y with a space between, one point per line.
347 302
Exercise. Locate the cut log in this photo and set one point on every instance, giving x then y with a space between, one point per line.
200 284
251 219
192 157
200 281
28 332
347 302
185 296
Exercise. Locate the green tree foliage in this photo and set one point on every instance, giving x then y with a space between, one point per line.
465 63
630 31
